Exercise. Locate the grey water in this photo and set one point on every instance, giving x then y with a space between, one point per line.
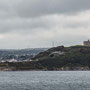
45 80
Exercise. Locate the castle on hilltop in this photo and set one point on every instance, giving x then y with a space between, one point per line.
86 43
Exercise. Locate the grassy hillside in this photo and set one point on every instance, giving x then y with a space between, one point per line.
72 57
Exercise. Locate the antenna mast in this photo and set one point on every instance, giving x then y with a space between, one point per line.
53 45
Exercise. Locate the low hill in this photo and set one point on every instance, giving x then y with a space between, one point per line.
65 58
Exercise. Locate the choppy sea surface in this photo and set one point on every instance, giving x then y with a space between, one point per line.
45 80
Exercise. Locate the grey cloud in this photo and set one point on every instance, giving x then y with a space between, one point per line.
34 8
43 21
23 25
29 25
75 25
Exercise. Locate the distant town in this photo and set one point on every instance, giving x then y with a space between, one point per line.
22 55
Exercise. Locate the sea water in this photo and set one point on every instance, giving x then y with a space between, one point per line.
45 80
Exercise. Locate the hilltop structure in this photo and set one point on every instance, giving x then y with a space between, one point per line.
86 43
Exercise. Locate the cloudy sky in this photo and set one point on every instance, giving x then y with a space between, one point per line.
36 23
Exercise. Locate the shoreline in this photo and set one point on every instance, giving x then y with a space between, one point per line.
41 70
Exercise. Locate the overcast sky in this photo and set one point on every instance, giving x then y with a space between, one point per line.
36 23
